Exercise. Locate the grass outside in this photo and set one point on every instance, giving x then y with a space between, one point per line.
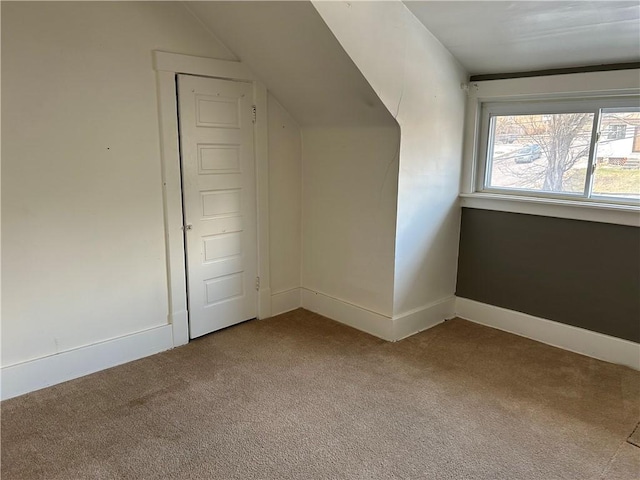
608 180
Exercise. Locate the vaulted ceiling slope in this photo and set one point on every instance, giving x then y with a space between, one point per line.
501 36
290 48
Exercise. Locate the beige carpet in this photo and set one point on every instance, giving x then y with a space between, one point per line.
301 397
634 438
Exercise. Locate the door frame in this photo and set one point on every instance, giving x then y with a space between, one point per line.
167 66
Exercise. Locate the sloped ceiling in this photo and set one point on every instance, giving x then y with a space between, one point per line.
289 47
501 36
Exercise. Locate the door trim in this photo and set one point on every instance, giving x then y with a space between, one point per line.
167 66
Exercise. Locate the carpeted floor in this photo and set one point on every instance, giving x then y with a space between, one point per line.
634 438
301 397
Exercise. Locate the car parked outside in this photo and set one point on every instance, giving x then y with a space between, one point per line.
528 153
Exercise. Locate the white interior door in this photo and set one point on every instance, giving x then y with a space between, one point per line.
219 197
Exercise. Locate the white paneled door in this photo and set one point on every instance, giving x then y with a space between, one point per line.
219 195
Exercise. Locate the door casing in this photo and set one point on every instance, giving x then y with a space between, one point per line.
167 66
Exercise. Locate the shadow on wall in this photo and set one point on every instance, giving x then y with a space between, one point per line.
425 254
419 81
350 185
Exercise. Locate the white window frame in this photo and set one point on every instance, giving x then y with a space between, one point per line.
586 89
595 106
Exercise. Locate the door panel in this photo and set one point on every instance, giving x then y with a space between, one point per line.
218 175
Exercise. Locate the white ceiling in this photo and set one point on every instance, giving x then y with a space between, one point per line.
517 36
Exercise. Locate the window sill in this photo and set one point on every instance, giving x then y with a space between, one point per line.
548 207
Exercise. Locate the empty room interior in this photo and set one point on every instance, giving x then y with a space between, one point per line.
320 240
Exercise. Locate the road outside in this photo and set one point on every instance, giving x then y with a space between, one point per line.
507 173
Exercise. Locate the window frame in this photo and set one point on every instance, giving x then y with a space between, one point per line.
596 106
554 88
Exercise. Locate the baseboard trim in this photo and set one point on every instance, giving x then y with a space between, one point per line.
574 339
47 371
357 317
283 302
419 319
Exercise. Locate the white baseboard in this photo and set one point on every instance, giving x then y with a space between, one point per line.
283 302
578 340
381 326
357 317
419 319
43 372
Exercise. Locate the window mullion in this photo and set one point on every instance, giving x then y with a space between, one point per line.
593 147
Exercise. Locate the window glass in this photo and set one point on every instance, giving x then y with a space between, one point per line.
617 172
568 148
542 152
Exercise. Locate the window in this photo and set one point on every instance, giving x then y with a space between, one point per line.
572 149
617 132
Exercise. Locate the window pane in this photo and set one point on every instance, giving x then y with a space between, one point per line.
618 156
546 153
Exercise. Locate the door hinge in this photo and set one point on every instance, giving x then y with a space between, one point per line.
258 283
253 113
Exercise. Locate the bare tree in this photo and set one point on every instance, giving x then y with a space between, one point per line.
563 138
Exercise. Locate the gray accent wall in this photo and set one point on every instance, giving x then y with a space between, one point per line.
585 274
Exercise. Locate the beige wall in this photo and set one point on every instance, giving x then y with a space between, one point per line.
350 178
285 198
83 257
419 82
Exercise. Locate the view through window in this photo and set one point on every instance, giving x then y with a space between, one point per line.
591 154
